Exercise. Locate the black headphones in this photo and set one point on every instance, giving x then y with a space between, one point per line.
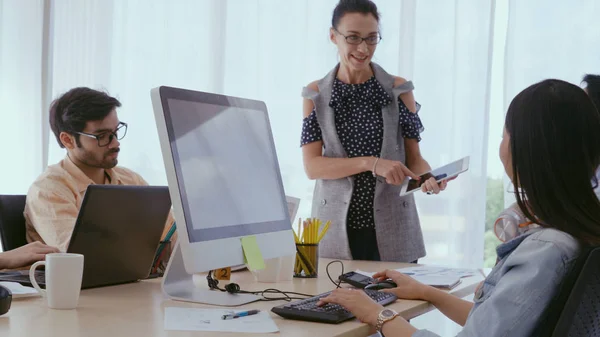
5 299
234 288
213 284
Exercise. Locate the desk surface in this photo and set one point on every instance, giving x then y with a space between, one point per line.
137 309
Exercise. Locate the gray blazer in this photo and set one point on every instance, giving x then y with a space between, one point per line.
397 226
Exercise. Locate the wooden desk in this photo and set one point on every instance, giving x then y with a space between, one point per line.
137 309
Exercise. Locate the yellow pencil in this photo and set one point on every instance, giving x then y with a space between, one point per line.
299 223
307 267
310 230
324 231
307 231
304 230
317 230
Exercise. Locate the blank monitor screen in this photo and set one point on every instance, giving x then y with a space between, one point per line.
226 167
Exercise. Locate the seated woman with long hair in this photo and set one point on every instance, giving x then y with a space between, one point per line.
550 150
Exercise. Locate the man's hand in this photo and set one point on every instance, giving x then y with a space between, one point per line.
25 255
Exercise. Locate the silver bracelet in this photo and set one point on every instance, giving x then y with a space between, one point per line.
374 167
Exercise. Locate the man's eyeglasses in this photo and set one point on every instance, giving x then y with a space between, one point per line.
106 138
356 40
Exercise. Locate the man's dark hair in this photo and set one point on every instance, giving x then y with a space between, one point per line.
71 111
592 83
353 6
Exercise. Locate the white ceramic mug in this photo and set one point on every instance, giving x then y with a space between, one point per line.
64 272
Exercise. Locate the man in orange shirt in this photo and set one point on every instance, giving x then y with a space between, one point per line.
86 124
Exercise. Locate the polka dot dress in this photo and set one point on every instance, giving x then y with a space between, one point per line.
359 126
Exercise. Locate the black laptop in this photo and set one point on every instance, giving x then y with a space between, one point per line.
118 230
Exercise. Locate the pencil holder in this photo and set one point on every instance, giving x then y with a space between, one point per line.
307 260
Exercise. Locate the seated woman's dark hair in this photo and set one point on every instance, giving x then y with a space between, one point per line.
353 6
554 132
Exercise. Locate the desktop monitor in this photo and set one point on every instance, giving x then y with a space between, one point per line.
223 176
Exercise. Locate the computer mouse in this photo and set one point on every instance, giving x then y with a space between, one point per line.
5 299
387 284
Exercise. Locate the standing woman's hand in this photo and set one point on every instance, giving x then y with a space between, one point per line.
393 171
431 186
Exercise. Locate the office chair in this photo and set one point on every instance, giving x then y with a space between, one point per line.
12 221
575 311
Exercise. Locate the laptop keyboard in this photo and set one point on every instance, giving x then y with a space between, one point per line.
22 277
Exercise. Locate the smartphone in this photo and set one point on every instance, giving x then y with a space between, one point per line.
443 173
356 279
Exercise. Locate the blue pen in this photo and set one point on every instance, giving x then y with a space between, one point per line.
240 314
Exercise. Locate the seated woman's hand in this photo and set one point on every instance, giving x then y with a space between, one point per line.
406 287
355 301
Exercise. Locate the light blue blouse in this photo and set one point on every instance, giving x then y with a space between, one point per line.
515 294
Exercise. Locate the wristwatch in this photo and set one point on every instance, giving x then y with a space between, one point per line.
384 316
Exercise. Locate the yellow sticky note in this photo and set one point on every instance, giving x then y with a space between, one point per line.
252 255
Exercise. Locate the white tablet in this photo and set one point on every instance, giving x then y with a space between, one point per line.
443 173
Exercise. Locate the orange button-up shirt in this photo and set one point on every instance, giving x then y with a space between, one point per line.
54 200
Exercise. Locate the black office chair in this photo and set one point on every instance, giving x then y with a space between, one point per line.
575 311
12 221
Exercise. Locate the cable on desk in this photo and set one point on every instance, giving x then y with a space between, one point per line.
234 288
337 285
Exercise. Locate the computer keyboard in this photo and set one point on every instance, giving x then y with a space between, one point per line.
307 309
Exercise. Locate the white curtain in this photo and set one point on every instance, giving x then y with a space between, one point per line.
268 50
21 125
466 58
549 39
261 49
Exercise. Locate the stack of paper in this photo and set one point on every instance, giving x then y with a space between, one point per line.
447 282
441 277
195 319
18 290
438 271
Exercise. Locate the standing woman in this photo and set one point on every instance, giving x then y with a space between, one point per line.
359 141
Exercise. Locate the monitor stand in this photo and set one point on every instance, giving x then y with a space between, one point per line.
179 285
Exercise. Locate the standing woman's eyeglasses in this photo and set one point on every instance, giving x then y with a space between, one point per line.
356 40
